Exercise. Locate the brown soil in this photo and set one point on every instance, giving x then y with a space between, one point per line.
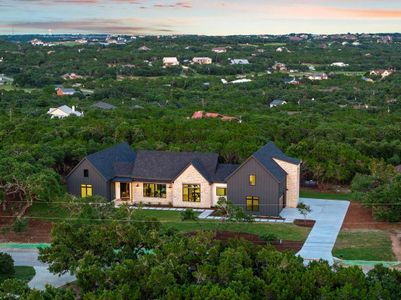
360 217
36 232
304 223
396 244
281 245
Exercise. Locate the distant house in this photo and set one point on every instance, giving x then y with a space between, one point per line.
318 76
144 48
279 67
219 50
5 79
63 111
282 49
243 80
170 61
71 76
239 62
65 92
339 64
202 60
356 44
36 42
277 102
292 81
382 73
203 115
103 105
367 79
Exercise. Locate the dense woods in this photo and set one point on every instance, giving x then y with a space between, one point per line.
339 127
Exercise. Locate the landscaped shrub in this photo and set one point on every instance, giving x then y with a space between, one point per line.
188 214
269 237
20 224
6 265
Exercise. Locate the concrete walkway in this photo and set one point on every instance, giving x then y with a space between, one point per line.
29 257
329 216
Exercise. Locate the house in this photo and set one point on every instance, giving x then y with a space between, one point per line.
382 73
103 105
219 50
65 92
239 62
282 49
339 64
292 81
144 48
277 102
202 60
5 79
170 61
279 67
263 185
63 111
203 115
243 80
71 76
36 42
318 76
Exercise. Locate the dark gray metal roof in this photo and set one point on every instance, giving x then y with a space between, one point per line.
163 165
265 156
105 160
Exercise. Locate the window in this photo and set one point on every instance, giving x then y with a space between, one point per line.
252 179
252 203
86 190
86 173
191 192
154 190
221 192
124 190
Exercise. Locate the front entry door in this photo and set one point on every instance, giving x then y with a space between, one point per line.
125 191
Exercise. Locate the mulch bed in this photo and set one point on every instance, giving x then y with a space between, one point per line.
281 245
360 217
304 223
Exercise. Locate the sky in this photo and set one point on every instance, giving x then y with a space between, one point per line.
208 17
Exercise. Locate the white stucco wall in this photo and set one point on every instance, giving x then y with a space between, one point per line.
138 195
215 198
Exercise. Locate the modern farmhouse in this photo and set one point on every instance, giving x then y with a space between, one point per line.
264 184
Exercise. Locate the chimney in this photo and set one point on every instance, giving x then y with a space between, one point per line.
73 108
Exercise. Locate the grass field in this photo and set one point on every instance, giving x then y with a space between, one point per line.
282 231
372 245
8 87
306 193
22 273
47 211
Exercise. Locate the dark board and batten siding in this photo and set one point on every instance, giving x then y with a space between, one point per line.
267 188
100 185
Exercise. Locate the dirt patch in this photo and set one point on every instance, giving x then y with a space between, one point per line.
304 223
36 232
360 217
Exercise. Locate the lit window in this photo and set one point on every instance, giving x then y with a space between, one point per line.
252 179
154 190
252 203
191 193
221 192
86 173
86 190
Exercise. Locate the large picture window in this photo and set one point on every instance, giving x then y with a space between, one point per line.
252 203
86 190
154 190
221 192
191 192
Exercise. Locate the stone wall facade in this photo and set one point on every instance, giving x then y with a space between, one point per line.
293 181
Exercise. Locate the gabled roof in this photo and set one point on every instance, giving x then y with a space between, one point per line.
278 102
223 171
65 109
266 155
103 105
105 161
163 165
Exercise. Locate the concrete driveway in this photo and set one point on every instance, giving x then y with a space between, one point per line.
329 216
29 257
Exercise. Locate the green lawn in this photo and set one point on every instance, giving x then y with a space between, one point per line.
22 273
372 245
283 231
9 87
307 193
48 211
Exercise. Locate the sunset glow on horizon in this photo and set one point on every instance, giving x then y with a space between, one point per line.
198 16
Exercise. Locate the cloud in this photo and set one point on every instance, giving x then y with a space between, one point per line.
174 5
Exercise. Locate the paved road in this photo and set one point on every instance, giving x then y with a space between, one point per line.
329 216
29 257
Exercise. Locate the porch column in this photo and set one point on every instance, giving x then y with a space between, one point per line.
118 190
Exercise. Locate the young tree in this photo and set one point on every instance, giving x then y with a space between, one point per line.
304 210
